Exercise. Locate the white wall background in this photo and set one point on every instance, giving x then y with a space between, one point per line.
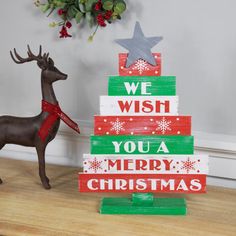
199 47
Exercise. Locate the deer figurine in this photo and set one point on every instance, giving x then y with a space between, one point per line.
39 130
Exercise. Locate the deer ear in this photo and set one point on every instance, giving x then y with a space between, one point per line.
42 65
50 62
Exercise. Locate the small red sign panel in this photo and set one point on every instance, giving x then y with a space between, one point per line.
142 125
140 67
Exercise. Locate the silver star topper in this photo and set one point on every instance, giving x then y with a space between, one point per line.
139 46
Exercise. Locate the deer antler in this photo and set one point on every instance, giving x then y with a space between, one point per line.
45 56
31 56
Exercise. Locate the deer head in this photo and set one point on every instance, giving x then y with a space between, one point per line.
50 73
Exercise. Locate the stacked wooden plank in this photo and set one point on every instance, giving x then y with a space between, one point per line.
140 143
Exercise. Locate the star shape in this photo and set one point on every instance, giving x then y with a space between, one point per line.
139 46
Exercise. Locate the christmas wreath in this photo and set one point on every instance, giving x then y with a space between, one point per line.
96 12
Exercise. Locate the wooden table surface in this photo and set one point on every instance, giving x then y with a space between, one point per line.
27 209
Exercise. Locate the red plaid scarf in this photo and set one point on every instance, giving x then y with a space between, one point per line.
55 112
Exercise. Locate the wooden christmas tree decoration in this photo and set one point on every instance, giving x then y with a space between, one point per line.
140 143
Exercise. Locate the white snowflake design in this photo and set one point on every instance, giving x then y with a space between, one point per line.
140 65
95 165
117 126
188 165
163 125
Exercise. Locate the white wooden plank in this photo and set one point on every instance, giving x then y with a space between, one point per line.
146 164
138 105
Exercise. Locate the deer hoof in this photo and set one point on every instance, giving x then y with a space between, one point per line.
46 185
47 179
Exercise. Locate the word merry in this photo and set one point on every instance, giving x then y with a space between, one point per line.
139 164
146 164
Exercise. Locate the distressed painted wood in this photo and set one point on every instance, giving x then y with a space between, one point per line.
140 67
159 206
142 125
142 199
142 85
141 144
142 183
145 164
138 105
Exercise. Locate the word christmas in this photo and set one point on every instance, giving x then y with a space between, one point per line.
138 105
142 183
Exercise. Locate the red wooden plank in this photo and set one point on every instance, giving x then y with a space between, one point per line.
142 183
142 125
140 67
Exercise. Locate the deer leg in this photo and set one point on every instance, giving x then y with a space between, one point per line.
42 172
1 146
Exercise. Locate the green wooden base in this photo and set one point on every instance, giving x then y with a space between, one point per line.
149 205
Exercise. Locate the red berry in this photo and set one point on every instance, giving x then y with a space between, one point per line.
100 20
108 15
100 17
68 24
98 6
60 12
64 33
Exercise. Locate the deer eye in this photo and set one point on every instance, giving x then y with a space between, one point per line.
41 65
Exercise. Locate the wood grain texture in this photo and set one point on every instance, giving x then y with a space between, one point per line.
141 144
138 105
27 209
142 125
142 85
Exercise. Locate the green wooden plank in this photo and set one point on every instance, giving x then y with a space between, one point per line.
142 199
145 85
140 144
161 206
